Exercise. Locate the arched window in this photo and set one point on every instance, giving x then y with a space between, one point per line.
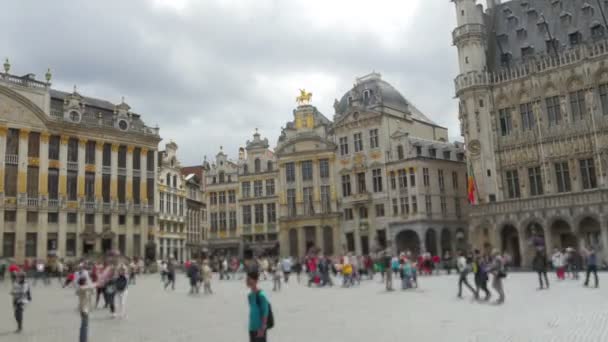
269 166
245 169
168 179
400 152
222 177
257 165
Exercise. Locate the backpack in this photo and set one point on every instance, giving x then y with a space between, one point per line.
121 283
270 319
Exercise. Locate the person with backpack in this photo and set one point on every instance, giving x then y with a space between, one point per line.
260 312
21 295
121 283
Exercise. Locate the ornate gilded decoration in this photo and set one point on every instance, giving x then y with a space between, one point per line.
89 168
72 205
24 133
115 147
33 161
82 142
44 137
64 139
54 164
304 97
144 151
130 149
3 131
376 155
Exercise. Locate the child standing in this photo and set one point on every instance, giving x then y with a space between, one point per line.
21 295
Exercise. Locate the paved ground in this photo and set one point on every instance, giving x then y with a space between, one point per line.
567 312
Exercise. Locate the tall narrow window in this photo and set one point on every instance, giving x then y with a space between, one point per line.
402 179
588 176
307 197
373 138
425 176
89 186
412 177
259 213
32 181
553 110
257 165
504 117
414 204
441 180
307 170
89 155
122 189
54 142
562 176
290 172
73 150
536 181
245 188
291 202
393 180
358 140
72 183
33 145
455 179
346 188
271 213
258 188
246 214
343 146
428 204
269 187
325 199
400 154
53 184
527 116
512 184
107 155
105 187
577 105
361 188
603 89
377 177
324 168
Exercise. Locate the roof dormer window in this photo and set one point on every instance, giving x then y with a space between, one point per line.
597 31
527 51
575 38
349 100
367 96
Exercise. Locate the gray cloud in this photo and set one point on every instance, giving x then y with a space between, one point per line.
211 72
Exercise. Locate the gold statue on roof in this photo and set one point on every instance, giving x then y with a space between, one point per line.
304 97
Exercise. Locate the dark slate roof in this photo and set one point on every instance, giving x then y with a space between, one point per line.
519 24
383 94
93 107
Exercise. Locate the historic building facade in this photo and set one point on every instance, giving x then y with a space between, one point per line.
77 174
258 199
171 237
224 238
533 91
309 215
196 215
402 185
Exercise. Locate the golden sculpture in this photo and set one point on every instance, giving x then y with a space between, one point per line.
304 97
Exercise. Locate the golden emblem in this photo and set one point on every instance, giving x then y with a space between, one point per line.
304 97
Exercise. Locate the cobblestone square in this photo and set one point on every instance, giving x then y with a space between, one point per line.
567 312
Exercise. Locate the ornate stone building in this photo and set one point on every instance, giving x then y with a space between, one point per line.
308 202
533 90
171 237
222 189
196 215
402 185
258 200
77 174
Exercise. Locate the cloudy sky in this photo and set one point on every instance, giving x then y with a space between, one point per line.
210 71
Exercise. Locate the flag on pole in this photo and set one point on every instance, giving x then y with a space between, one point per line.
472 188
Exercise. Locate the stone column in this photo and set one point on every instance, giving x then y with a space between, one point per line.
114 194
3 132
129 200
63 162
301 241
43 191
98 193
143 197
21 223
319 237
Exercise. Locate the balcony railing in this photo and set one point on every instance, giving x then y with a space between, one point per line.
32 202
122 206
11 159
53 203
89 205
122 171
107 206
72 166
106 169
149 174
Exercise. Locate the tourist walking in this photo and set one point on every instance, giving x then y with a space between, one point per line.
463 270
388 277
194 274
558 264
480 275
592 267
121 283
259 309
170 275
207 274
21 296
107 282
286 265
85 294
540 265
275 269
499 273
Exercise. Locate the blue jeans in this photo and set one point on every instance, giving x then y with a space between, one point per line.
84 327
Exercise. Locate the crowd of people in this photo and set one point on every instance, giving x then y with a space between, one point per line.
108 279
